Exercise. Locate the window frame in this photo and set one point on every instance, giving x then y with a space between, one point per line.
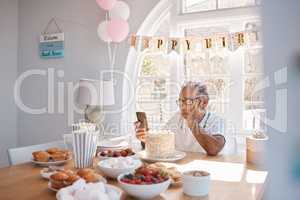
182 9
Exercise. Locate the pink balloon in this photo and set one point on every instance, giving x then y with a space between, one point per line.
106 4
118 29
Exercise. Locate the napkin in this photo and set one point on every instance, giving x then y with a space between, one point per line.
81 190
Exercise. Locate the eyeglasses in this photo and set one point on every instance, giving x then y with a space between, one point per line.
186 101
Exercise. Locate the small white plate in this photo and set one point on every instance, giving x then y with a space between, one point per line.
46 175
178 155
51 163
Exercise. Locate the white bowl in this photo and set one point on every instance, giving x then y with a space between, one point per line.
115 172
195 185
144 191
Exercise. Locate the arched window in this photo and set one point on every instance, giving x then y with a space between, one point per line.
231 76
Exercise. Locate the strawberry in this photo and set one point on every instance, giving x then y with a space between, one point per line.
103 153
138 181
116 154
125 180
148 179
124 153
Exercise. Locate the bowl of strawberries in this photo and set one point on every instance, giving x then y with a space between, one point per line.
145 182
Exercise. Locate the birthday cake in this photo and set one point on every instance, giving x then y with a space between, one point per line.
160 144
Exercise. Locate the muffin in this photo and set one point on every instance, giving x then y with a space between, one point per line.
69 172
41 156
58 180
84 172
58 156
92 177
57 185
71 179
67 153
52 150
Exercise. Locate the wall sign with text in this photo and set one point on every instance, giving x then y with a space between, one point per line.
52 45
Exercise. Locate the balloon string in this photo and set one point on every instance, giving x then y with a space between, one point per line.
109 54
114 56
113 60
108 44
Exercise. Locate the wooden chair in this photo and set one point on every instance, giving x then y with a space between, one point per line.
24 154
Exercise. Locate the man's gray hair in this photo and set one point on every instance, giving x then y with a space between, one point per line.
201 88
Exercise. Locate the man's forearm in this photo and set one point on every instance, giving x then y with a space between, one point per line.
212 144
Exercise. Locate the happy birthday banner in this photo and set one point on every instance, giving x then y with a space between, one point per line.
231 41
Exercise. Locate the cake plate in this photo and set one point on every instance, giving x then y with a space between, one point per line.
178 155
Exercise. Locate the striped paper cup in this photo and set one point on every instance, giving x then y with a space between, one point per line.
84 148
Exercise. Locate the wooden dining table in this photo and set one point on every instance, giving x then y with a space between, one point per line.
231 179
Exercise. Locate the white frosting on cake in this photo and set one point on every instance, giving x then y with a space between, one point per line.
160 144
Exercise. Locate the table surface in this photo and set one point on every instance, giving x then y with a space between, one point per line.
232 179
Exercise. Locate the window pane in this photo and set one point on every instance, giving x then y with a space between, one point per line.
253 61
206 31
253 34
218 89
199 64
198 5
235 3
206 5
155 65
254 117
152 89
252 92
218 107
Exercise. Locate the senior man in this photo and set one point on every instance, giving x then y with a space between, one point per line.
196 128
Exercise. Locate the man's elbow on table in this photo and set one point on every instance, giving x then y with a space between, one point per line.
214 150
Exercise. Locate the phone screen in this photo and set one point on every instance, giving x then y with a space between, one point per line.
142 118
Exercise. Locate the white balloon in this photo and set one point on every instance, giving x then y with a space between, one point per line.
102 32
121 10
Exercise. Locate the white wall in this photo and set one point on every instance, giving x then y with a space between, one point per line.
8 73
282 48
85 55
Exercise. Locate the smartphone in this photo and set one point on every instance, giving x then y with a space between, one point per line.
142 118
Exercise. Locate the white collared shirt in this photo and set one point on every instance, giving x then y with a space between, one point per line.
184 138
